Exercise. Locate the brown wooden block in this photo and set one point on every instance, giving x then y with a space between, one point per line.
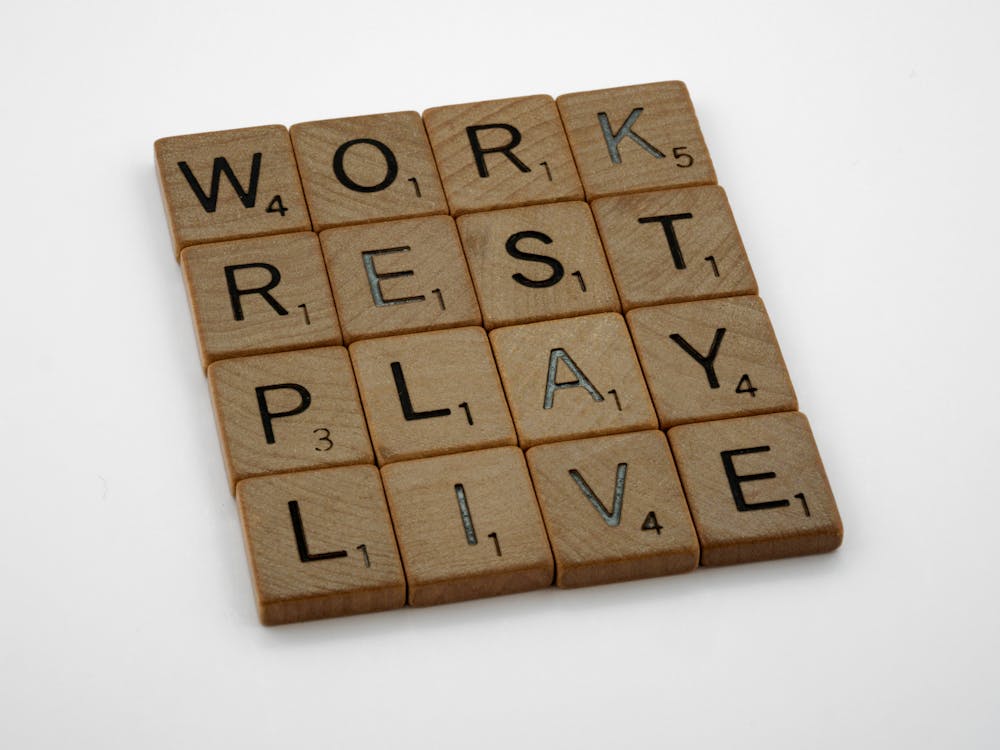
468 526
711 360
674 246
399 277
502 153
756 488
636 138
431 393
320 544
537 262
288 411
259 295
614 508
230 184
572 378
371 168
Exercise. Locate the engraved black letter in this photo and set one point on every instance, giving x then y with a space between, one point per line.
707 361
300 538
391 167
404 398
580 380
375 278
220 166
668 229
736 479
264 291
614 517
267 416
555 265
613 139
478 151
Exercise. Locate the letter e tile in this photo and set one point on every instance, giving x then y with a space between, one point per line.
468 526
320 544
756 488
614 508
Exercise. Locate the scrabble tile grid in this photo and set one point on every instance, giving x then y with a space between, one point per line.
371 504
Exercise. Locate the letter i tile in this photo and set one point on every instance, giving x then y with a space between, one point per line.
756 488
468 526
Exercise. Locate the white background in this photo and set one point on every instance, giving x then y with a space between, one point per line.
858 144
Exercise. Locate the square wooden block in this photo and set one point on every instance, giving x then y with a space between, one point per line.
370 168
399 277
431 393
756 488
259 295
502 153
287 411
674 246
230 184
711 360
320 544
468 526
614 508
572 378
636 138
537 262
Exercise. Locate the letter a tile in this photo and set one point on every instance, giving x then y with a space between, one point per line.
287 411
320 544
614 508
230 184
468 526
756 488
572 378
636 138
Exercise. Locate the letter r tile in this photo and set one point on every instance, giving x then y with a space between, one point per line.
371 168
230 184
431 393
288 411
756 488
636 138
320 544
502 153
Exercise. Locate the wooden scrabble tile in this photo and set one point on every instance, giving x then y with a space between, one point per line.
572 378
756 488
431 393
502 153
537 262
259 295
399 277
711 360
614 508
320 544
468 526
371 168
636 138
287 411
230 184
674 246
